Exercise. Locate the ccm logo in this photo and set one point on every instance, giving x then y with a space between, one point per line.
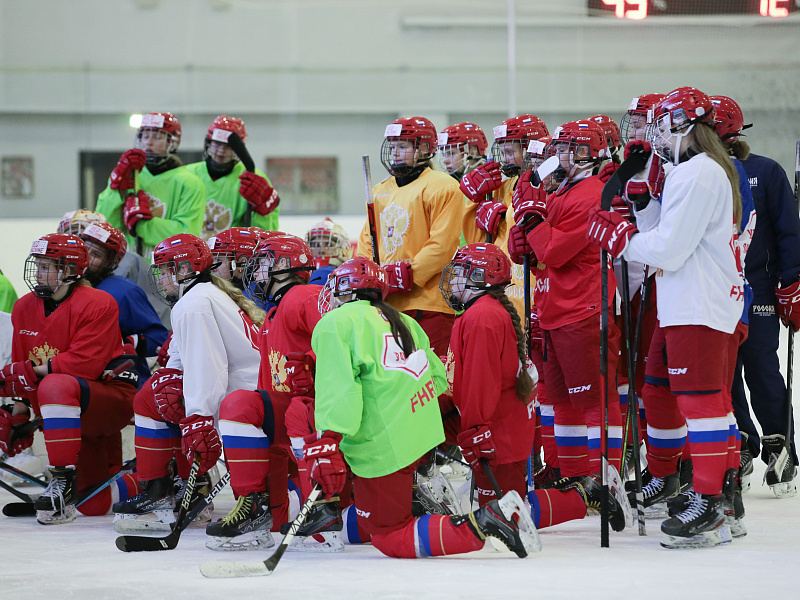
363 513
198 425
579 389
327 448
681 371
480 438
165 378
28 332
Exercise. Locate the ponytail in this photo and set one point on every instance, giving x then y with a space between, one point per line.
249 307
524 386
400 332
705 139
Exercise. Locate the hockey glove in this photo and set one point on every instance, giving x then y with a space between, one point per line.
649 183
135 209
518 246
489 216
167 386
481 180
399 276
163 351
11 441
122 177
260 195
789 305
607 171
299 421
530 204
18 379
621 207
200 440
327 463
300 372
477 444
610 231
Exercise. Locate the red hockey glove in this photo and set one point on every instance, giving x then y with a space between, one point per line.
647 185
11 441
167 386
477 444
481 180
327 463
122 177
621 207
260 195
199 439
135 209
607 171
18 379
300 372
163 351
610 231
299 420
489 216
399 277
789 305
529 202
641 146
518 246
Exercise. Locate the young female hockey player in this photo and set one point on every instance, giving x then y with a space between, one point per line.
487 365
231 250
330 247
376 410
257 447
66 336
235 197
212 352
689 237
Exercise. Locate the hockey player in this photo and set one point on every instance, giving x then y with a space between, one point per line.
149 196
257 446
772 268
633 125
551 229
105 247
330 247
8 296
462 148
612 133
66 336
231 250
377 380
234 197
691 242
419 214
488 365
212 352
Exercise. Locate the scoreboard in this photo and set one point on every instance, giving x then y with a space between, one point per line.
638 10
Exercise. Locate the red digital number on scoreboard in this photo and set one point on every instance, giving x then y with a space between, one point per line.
774 8
628 9
636 10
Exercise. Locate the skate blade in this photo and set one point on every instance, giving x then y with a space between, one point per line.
141 523
737 527
617 489
330 543
49 517
745 483
226 570
707 539
254 540
784 490
511 504
656 511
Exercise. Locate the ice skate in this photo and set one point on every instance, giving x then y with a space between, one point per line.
656 493
56 505
546 477
325 542
591 489
507 520
781 468
202 486
734 506
745 463
700 525
245 527
324 516
151 510
436 492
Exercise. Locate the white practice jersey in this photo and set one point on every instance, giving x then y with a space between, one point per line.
214 344
688 237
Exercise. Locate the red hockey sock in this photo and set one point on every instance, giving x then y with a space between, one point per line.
155 440
60 405
241 415
551 507
666 430
122 489
428 535
708 425
548 435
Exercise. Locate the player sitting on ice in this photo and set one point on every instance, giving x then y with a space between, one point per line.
330 246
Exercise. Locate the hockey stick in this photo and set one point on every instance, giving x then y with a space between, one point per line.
12 490
141 543
783 457
487 470
373 227
20 431
25 509
135 543
632 165
219 569
633 399
237 145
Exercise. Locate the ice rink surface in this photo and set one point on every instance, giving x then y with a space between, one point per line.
80 561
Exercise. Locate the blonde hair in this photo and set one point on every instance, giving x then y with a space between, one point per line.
705 139
248 306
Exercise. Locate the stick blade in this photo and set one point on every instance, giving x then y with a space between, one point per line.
139 543
19 509
227 570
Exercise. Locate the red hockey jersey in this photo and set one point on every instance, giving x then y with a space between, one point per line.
484 368
568 291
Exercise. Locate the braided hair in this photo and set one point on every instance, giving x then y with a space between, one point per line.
524 386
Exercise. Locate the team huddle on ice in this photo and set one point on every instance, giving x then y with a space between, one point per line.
441 381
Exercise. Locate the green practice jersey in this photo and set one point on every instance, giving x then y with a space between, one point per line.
7 294
384 404
177 200
225 207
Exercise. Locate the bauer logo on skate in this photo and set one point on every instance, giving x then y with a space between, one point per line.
427 393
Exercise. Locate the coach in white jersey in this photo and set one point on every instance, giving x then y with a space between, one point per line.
689 239
212 353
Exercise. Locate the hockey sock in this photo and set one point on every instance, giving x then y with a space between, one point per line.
246 445
428 535
551 507
666 430
353 531
571 440
122 489
708 431
547 431
60 405
734 443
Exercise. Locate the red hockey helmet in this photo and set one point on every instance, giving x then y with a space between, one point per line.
633 125
75 221
109 238
409 143
177 262
54 259
166 124
461 146
473 268
329 243
728 118
223 125
277 259
231 250
674 117
610 128
511 139
535 152
584 140
348 279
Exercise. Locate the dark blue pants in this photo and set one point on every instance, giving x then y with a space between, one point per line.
759 358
